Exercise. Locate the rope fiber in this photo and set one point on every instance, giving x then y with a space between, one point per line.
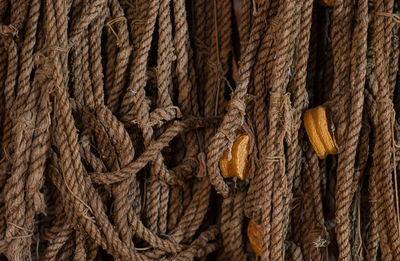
115 114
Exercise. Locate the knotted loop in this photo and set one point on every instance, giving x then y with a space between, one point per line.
239 105
231 140
157 117
281 160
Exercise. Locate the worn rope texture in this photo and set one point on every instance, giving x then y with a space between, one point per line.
342 39
389 241
115 113
345 169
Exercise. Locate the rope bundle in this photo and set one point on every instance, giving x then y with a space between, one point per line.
115 115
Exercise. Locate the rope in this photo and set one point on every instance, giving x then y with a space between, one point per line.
115 115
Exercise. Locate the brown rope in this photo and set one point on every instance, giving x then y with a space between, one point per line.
115 115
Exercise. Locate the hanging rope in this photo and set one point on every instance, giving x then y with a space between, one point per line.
115 116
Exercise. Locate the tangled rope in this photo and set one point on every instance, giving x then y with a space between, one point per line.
115 114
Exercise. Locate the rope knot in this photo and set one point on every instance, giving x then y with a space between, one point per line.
240 105
231 140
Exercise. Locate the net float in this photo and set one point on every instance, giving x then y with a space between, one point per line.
239 165
254 233
316 125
